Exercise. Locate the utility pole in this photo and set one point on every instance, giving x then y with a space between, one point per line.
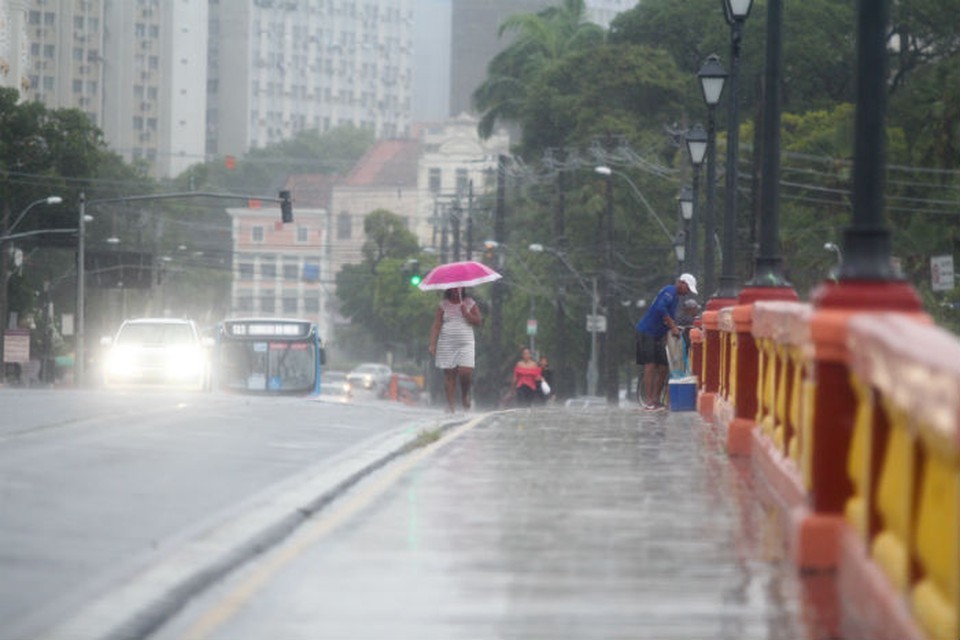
79 356
470 221
559 235
609 349
4 277
499 235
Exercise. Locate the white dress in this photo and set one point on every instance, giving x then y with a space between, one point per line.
455 345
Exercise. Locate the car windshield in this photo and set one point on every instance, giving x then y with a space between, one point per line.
156 333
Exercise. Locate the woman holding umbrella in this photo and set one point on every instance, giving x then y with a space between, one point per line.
451 337
452 343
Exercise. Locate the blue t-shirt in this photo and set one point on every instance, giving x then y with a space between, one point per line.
665 304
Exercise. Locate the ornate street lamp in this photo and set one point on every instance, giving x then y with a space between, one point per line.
712 79
685 200
696 140
735 12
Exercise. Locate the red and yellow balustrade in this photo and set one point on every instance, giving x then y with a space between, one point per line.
853 419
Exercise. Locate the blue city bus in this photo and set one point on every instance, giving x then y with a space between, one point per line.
267 356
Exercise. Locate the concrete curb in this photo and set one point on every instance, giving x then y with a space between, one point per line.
155 592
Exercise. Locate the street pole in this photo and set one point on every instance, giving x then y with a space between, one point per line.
709 221
496 311
592 366
728 278
470 221
610 356
79 365
559 236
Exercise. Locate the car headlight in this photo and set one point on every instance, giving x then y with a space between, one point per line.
120 361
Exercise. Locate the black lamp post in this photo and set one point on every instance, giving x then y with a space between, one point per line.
712 79
768 265
736 12
610 359
696 140
685 200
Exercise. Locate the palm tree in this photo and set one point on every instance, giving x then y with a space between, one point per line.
542 40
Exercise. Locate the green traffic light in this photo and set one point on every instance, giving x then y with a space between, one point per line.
415 279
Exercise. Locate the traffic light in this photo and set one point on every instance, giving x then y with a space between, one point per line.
286 207
413 274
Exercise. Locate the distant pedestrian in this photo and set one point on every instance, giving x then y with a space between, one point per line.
452 343
526 379
547 390
652 329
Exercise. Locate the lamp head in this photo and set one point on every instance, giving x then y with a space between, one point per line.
54 199
712 78
685 198
696 139
536 247
736 10
603 170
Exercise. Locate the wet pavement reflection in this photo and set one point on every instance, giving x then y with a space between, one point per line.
534 524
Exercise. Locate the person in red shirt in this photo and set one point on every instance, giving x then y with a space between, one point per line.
526 379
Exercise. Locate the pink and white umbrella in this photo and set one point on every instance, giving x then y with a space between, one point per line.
467 273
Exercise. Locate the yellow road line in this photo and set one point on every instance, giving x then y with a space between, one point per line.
323 524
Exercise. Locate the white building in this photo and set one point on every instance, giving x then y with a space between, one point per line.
277 68
281 270
137 68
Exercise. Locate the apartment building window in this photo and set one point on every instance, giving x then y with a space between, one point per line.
34 17
77 54
92 86
49 19
311 271
302 234
268 302
291 271
246 270
311 303
245 303
93 24
152 93
344 226
435 176
152 124
463 181
93 55
268 270
290 304
48 83
78 86
154 63
140 30
256 233
35 50
48 50
137 123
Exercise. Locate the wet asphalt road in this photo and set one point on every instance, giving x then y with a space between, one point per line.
545 524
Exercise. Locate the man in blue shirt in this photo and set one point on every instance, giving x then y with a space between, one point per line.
652 330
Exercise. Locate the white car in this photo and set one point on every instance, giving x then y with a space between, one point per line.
156 352
370 375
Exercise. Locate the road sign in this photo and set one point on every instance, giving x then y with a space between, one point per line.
16 345
941 273
596 323
532 327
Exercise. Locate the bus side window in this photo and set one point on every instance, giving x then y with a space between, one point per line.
323 356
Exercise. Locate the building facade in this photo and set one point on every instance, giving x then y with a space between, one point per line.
277 68
282 270
137 68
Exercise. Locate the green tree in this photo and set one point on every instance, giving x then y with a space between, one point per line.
387 237
542 40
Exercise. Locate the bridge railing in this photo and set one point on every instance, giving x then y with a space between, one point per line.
854 421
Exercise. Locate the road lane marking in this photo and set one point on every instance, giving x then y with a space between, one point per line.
319 527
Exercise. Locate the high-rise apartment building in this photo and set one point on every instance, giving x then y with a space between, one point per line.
281 66
137 68
475 42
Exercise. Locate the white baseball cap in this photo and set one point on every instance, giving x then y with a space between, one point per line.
691 282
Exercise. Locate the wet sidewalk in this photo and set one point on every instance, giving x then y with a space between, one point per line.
546 524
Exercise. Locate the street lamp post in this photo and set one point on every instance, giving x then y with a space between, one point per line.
609 356
696 140
735 12
593 328
712 79
685 199
6 234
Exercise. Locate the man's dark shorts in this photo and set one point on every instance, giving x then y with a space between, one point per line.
650 349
